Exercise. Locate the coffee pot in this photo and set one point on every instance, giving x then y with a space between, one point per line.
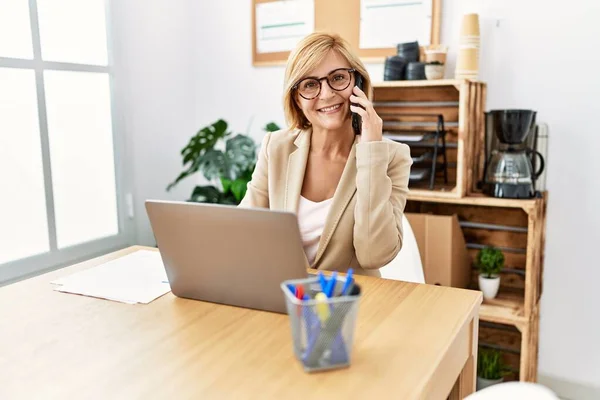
508 169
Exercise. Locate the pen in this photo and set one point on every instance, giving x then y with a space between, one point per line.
348 282
331 285
322 281
322 307
309 320
299 294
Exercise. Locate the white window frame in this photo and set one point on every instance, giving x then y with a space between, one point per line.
56 258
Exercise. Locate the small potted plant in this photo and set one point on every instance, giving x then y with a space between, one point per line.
434 70
491 370
490 262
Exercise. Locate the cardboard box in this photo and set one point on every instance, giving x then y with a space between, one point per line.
443 249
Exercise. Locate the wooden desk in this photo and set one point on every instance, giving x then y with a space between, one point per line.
412 341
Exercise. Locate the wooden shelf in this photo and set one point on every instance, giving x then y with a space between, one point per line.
421 83
528 205
445 192
505 309
521 349
460 101
514 225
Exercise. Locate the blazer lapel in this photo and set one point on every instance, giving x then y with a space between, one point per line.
343 194
295 171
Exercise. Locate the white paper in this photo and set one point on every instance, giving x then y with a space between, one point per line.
138 277
385 23
281 24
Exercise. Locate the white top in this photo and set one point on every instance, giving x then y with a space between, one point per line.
311 220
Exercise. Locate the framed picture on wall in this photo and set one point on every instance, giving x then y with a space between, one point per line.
373 27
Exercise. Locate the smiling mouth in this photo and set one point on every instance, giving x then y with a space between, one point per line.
330 108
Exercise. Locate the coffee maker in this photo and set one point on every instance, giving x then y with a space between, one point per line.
510 154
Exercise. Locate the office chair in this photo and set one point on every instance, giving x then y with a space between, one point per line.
407 265
514 391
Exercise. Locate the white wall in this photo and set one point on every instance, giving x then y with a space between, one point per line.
189 64
227 85
538 57
155 73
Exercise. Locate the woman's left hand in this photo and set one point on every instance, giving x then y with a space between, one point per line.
372 124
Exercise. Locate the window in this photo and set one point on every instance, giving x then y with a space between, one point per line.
61 192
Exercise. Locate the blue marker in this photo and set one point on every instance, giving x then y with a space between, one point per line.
348 282
322 281
291 288
331 285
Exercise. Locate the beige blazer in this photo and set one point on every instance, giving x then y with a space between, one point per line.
364 227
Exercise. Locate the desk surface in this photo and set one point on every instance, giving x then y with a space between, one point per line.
408 344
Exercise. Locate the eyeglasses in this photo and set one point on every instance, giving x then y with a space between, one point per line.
338 80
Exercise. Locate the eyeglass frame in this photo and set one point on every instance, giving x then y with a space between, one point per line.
350 70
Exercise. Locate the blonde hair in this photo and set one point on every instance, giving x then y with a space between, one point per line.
307 55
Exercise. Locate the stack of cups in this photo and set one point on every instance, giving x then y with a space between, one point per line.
410 51
415 71
394 68
467 63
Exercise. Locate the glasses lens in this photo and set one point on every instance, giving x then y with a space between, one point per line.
339 80
309 88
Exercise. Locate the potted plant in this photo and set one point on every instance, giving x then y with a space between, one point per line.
490 262
434 70
228 171
491 370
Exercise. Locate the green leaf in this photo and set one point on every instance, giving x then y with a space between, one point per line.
211 194
247 174
206 194
490 364
272 127
240 154
239 187
229 199
213 164
204 140
226 183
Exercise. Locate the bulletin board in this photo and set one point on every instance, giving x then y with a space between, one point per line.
340 16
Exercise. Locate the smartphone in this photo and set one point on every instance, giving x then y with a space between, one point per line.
356 119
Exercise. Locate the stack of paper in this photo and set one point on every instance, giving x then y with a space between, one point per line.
138 277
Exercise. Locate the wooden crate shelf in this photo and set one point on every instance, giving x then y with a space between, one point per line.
516 226
504 309
517 344
508 341
404 106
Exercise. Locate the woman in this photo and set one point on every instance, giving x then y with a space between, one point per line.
348 190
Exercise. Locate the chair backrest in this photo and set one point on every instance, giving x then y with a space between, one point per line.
407 265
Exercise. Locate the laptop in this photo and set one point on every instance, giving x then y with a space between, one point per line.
226 254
